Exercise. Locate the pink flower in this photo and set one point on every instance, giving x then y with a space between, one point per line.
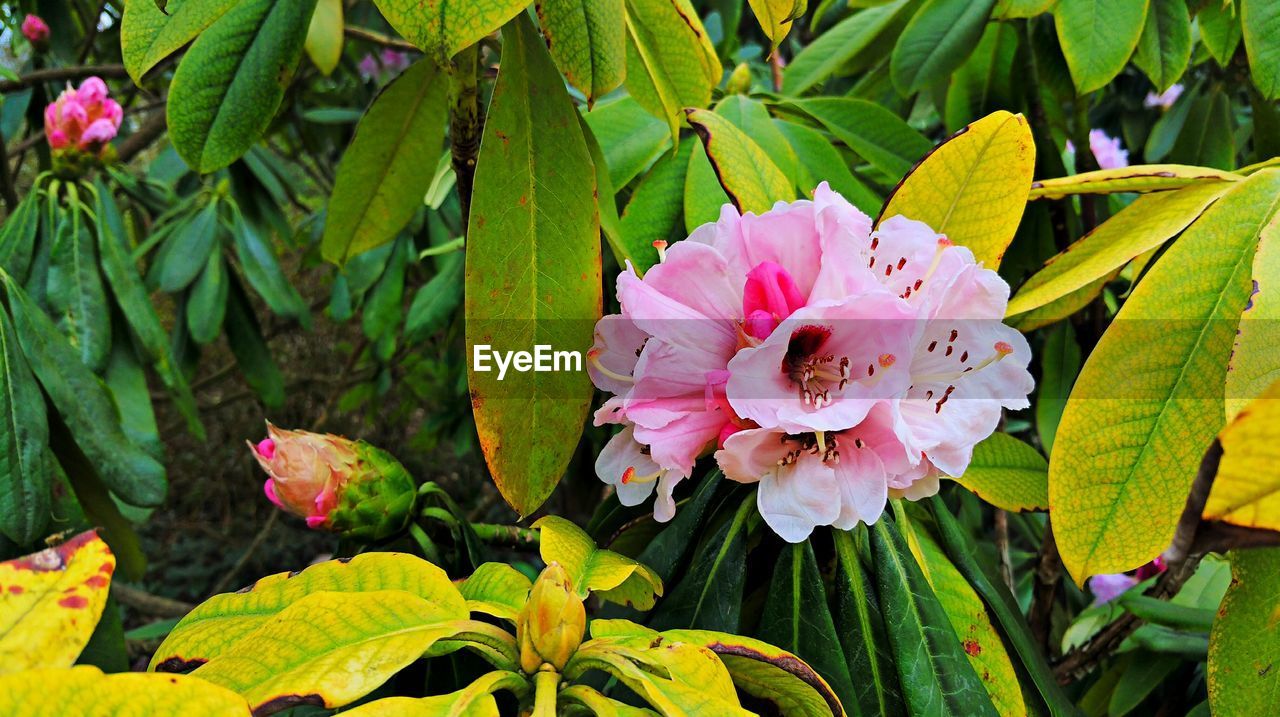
1165 99
1108 150
369 67
36 30
394 61
832 364
84 118
1108 587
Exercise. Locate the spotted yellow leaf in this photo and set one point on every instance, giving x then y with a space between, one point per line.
972 187
751 179
85 691
1136 178
50 602
1255 362
777 16
671 64
1247 489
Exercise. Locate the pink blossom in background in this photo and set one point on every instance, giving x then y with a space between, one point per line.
1108 587
36 30
369 67
1108 150
833 364
394 61
83 118
1165 99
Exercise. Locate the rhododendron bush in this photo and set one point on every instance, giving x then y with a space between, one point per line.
631 357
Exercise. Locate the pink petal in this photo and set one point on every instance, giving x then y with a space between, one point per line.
97 134
316 521
266 448
795 499
270 489
770 293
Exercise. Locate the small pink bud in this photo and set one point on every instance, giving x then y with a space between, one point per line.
36 30
267 448
58 139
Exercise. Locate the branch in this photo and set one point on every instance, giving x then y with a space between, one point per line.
63 73
148 132
361 33
465 124
145 602
512 536
1048 576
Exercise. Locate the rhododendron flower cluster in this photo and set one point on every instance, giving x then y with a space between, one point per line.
83 119
833 363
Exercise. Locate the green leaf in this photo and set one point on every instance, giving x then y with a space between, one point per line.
207 303
613 577
703 195
972 187
24 437
1145 224
607 201
131 296
59 595
443 27
671 64
148 35
1261 23
709 596
1097 37
18 237
832 49
984 83
777 16
252 355
796 617
85 690
629 137
382 177
384 307
1127 454
1220 30
435 303
969 617
822 162
935 675
654 209
529 423
496 589
1008 474
750 178
262 270
324 36
754 120
587 40
1245 643
85 405
331 648
873 132
187 250
229 84
1059 366
937 41
1164 50
1207 137
128 384
75 295
861 628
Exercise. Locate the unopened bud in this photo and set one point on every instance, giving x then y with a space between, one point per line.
553 621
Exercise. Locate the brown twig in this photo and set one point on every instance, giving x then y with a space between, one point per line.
376 38
1002 549
465 124
1048 578
145 602
225 581
148 132
54 74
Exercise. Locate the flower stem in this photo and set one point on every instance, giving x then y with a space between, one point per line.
509 535
545 685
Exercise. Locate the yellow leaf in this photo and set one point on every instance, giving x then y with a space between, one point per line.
1147 223
777 16
750 178
1137 178
1255 361
496 589
1059 309
1008 474
972 187
222 620
85 692
1149 400
969 618
613 577
671 63
330 649
1247 489
50 602
324 36
678 679
474 700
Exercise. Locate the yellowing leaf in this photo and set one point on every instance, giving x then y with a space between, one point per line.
324 37
222 620
1244 645
587 39
1247 489
443 27
50 602
85 692
330 649
968 616
148 35
614 577
496 589
777 16
698 683
972 187
1137 178
671 64
474 700
1149 399
1147 223
750 178
1008 474
1255 361
1059 309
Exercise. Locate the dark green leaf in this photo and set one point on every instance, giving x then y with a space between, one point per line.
262 270
873 132
860 625
1208 137
665 551
1059 366
207 303
797 619
935 675
85 406
384 174
186 252
128 385
434 303
1097 37
24 437
937 41
830 50
1164 49
1260 20
820 161
74 291
385 306
18 237
96 502
984 83
1138 682
229 84
709 596
703 195
1220 30
630 138
250 348
653 212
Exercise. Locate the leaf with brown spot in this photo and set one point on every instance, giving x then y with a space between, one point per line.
85 691
50 602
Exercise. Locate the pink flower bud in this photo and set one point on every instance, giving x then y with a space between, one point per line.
97 134
58 139
92 91
83 119
36 30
